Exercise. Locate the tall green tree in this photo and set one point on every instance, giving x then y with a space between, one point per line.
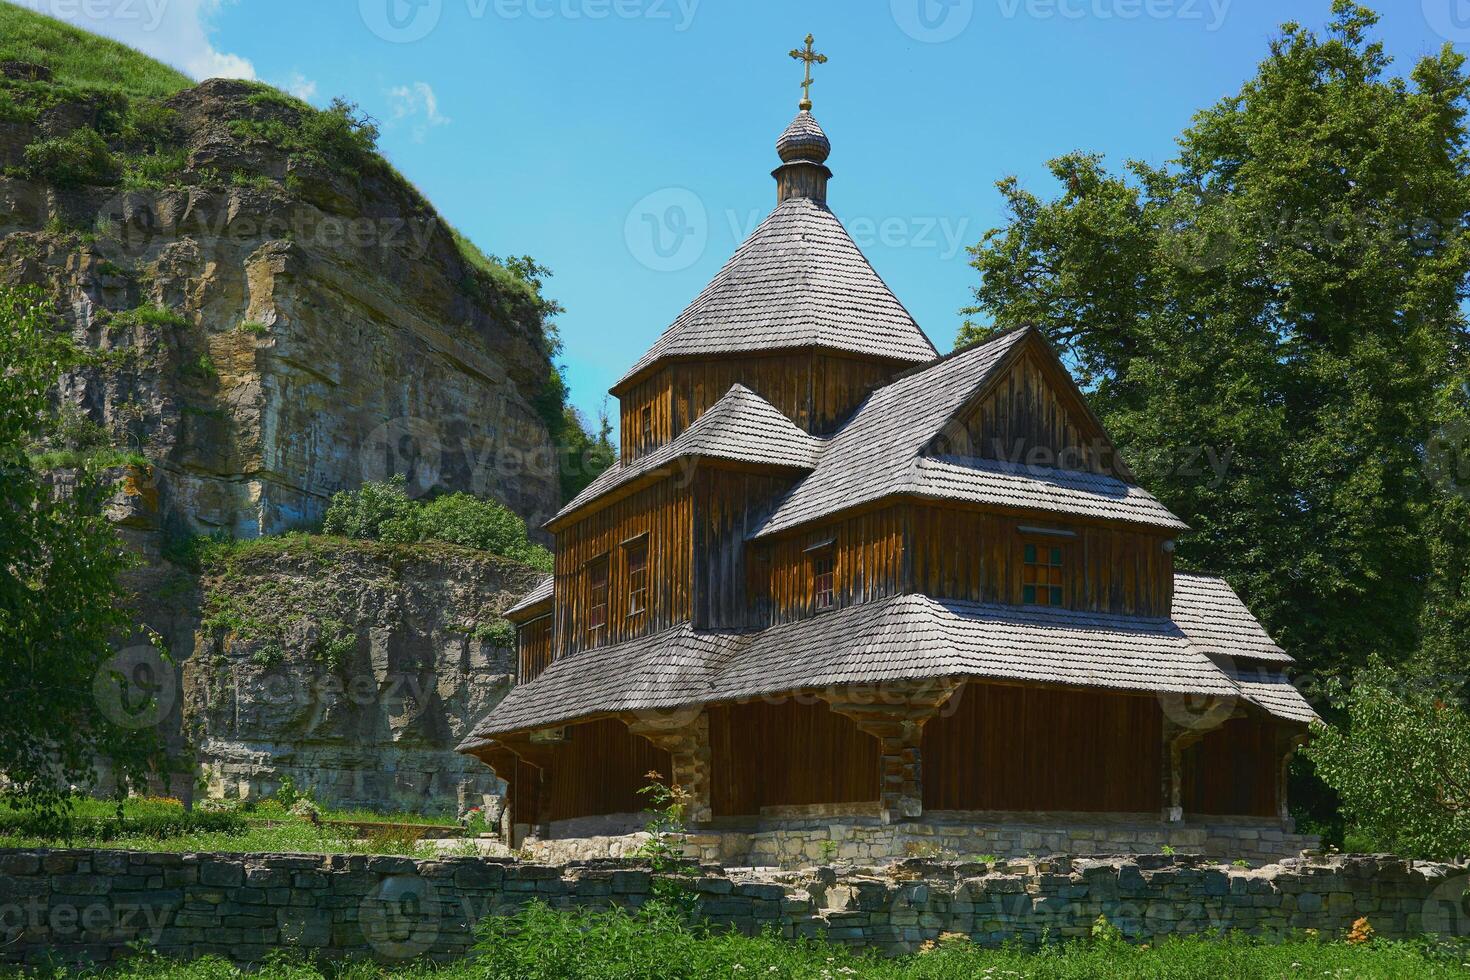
67 701
1282 301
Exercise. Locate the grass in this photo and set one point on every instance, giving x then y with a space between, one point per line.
656 944
79 58
163 825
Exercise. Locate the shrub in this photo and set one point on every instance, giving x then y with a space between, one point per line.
1400 762
154 819
81 157
383 511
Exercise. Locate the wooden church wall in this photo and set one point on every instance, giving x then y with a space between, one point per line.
868 553
1028 748
787 753
1028 418
533 641
1232 771
729 504
599 770
662 513
816 391
978 556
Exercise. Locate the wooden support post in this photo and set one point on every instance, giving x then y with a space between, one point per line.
895 716
531 807
1177 738
685 737
1287 743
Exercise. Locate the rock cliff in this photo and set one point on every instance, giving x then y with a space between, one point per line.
354 668
282 315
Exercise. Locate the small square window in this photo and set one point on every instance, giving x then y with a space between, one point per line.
597 593
636 555
1042 575
824 563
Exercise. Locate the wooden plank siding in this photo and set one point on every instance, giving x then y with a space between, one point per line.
787 753
817 391
533 640
1027 748
598 770
1031 415
1233 770
954 552
729 504
663 512
976 555
869 553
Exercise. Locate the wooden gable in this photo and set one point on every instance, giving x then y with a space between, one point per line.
1033 413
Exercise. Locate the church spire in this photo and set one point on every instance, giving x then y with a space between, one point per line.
804 147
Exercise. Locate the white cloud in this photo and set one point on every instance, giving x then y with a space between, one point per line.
418 105
177 32
301 87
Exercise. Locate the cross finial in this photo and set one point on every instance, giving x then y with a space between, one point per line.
810 56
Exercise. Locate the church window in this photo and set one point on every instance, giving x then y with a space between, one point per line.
597 593
636 555
824 562
1041 575
646 420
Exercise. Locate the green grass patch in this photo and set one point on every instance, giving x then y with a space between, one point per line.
77 57
102 822
154 171
80 157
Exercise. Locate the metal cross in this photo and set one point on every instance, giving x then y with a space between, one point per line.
811 57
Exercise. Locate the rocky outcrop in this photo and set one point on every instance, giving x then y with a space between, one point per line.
276 324
352 668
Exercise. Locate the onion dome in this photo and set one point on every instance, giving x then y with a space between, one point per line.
804 140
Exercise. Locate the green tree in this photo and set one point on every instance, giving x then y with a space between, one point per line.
1282 301
585 455
1400 763
62 608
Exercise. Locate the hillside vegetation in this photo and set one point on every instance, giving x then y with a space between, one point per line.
78 58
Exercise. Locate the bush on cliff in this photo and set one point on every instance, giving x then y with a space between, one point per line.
383 511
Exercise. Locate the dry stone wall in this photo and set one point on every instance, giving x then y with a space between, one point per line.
101 905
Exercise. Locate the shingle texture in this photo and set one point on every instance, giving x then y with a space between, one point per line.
804 140
741 427
880 453
798 281
1216 621
541 593
914 637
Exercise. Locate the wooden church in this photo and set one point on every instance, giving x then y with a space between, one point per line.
836 572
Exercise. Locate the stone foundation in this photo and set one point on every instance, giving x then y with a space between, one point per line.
796 837
77 905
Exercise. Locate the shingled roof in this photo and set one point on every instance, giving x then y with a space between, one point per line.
880 452
740 427
911 637
797 281
540 595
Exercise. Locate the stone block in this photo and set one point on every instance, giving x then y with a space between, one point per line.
221 874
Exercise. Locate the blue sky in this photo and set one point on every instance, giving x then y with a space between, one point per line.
627 144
